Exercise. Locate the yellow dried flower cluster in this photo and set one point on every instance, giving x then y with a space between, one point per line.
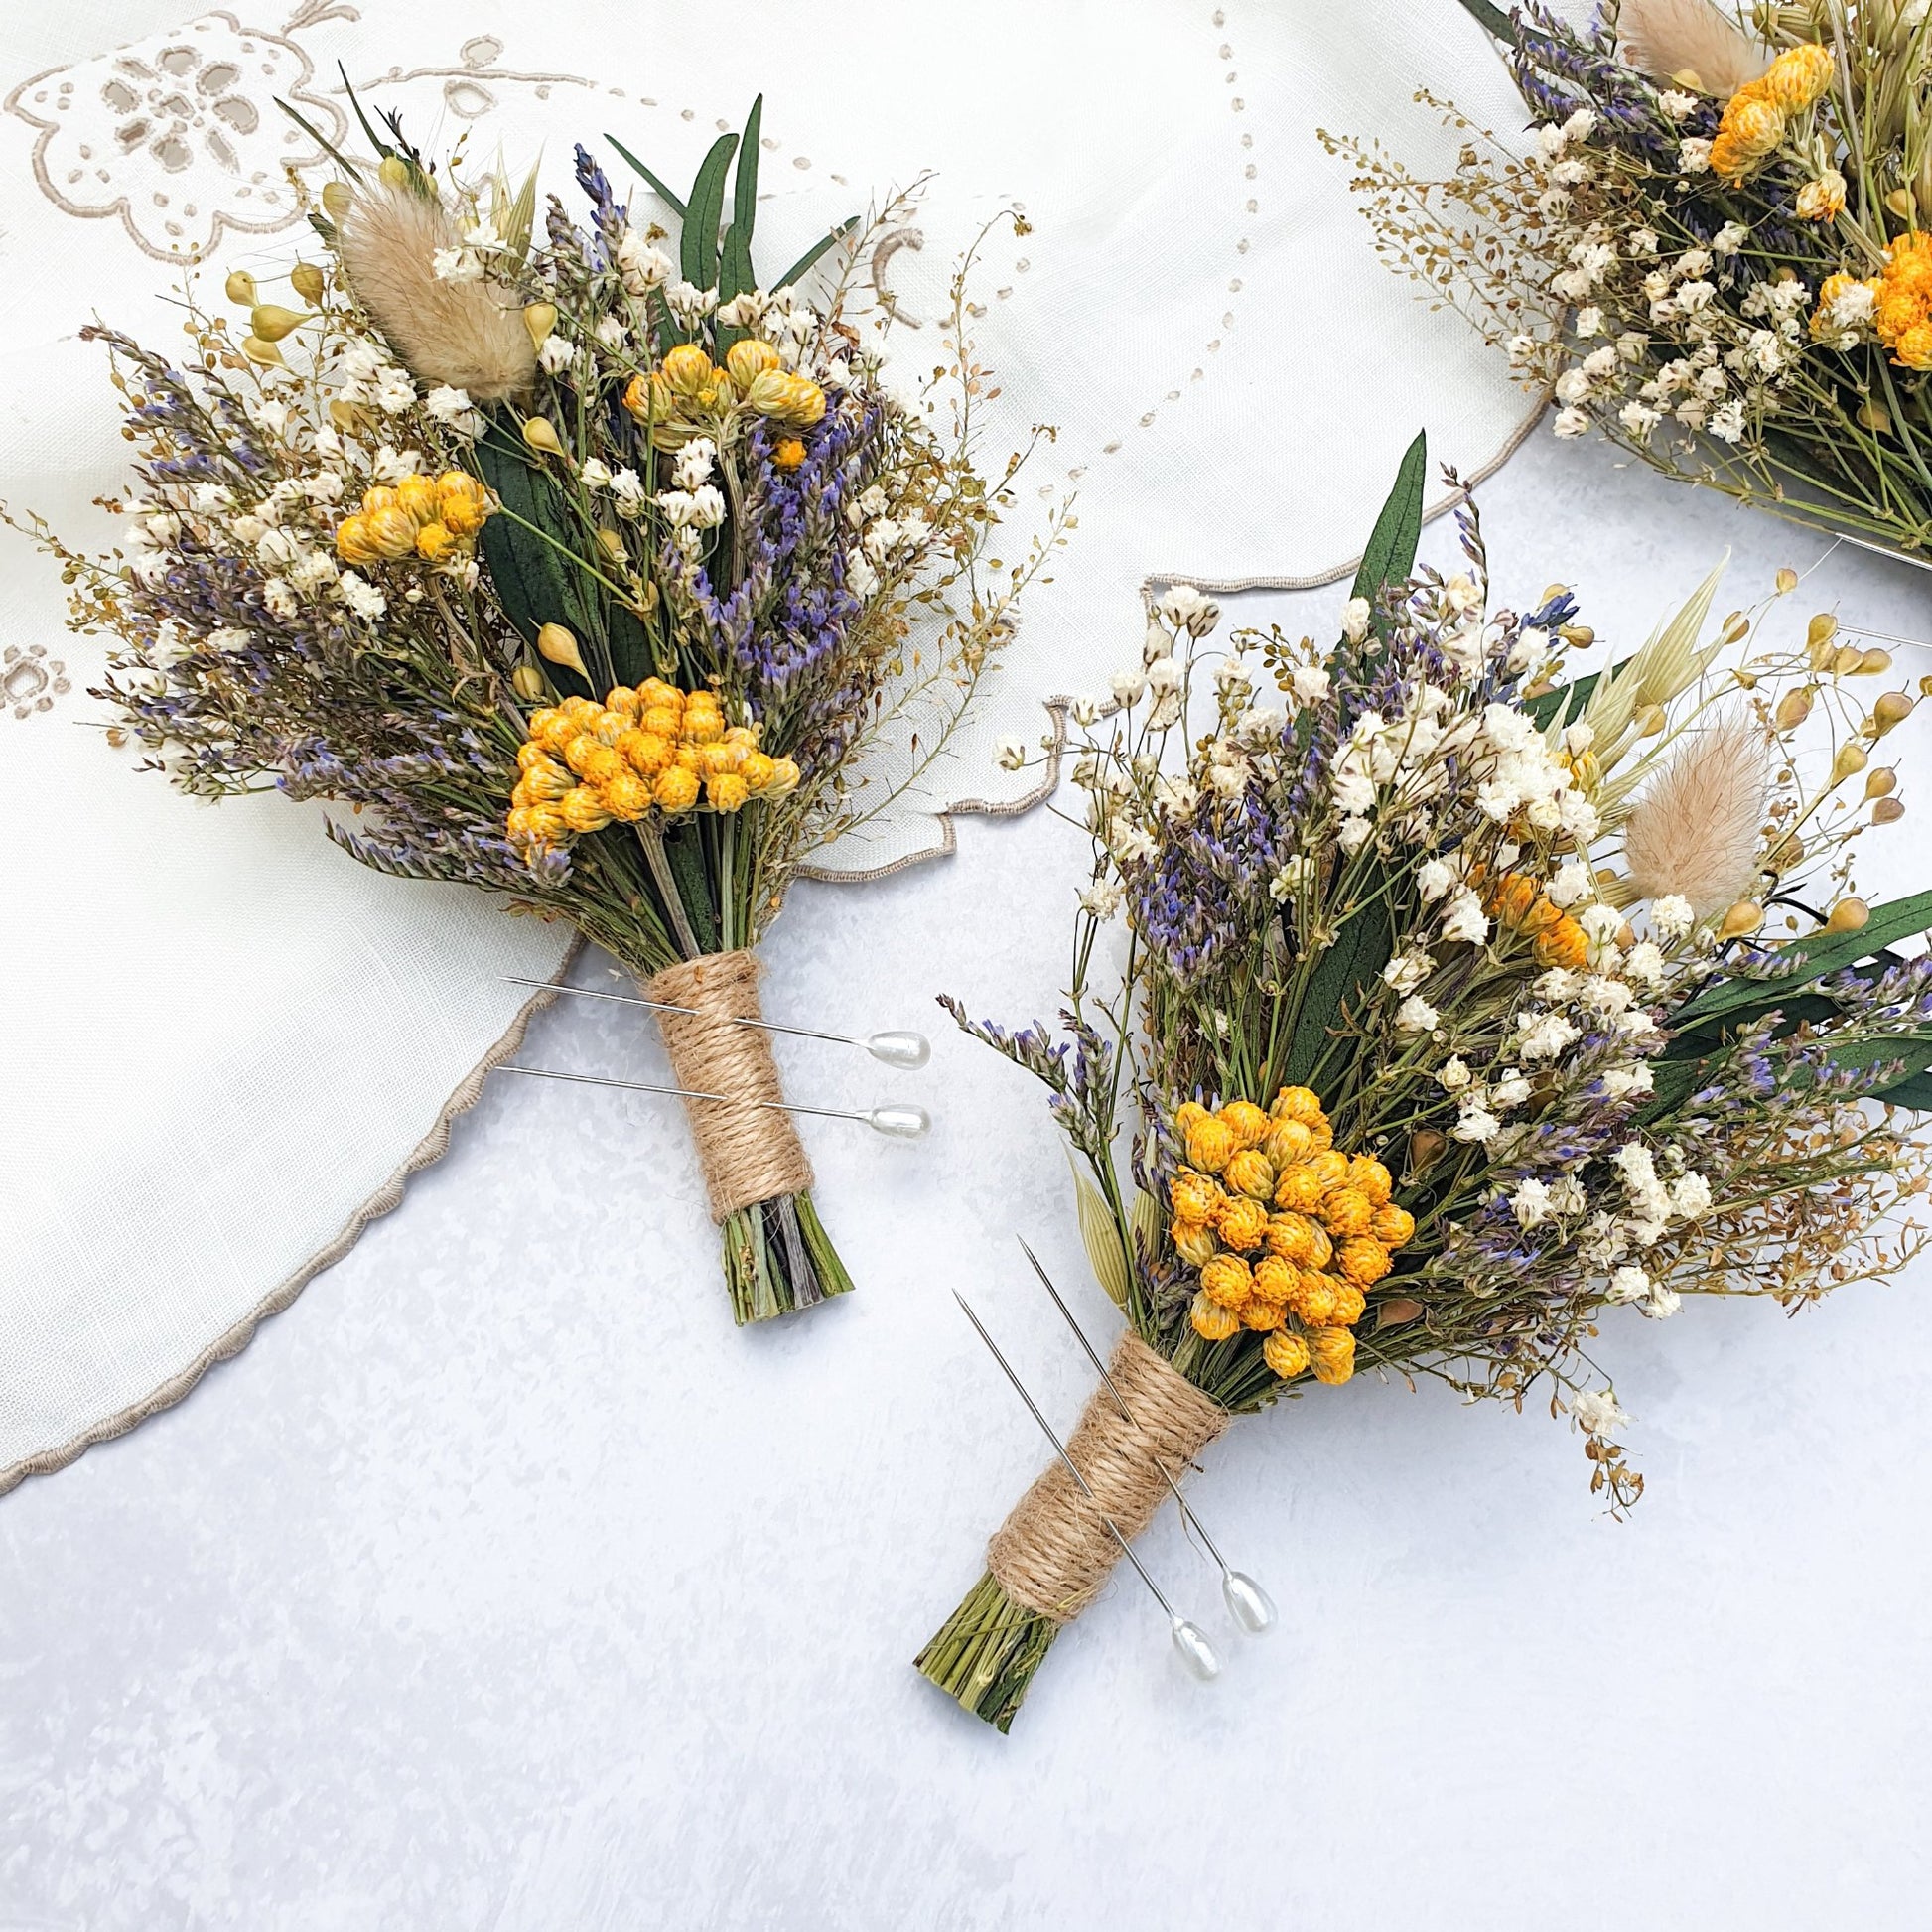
431 518
1754 117
655 748
688 391
1287 1233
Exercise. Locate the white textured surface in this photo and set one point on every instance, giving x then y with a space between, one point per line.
502 1586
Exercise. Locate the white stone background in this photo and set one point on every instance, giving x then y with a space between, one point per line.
502 1584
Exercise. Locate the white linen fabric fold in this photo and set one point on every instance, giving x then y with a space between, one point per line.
227 1042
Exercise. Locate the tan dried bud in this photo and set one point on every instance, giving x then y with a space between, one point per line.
1819 635
1871 662
1880 780
1425 1147
557 645
1650 720
336 198
1847 660
1876 417
1747 680
1792 709
271 322
1851 758
394 171
1787 580
1743 918
529 683
1849 915
308 281
1397 1310
1887 811
613 543
540 319
1579 634
241 287
1892 709
541 436
260 352
1903 205
1736 627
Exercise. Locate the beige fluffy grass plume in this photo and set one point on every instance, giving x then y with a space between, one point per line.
1698 828
1663 38
459 332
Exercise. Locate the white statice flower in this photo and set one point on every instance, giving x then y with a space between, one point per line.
1465 919
1130 843
361 596
690 304
611 331
641 267
1416 1016
1510 1092
1165 675
1178 796
1530 1204
390 465
1543 1035
1293 875
1086 711
594 473
1009 752
277 548
1599 993
1694 157
1590 322
270 416
1663 1303
1644 963
395 391
1626 1082
1355 615
860 577
1571 422
1730 239
745 310
280 600
1102 900
1572 385
556 355
1679 106
702 508
1567 1197
1726 421
1581 124
1597 1411
1689 1195
1433 879
694 463
1352 834
1127 687
1628 1284
455 265
1476 1125
1638 418
1671 915
1407 970
1186 609
1309 682
1454 1075
1554 986
313 571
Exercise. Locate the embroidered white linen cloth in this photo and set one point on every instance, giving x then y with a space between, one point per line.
227 1042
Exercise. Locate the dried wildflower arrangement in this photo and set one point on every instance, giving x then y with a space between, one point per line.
581 570
1711 247
1459 998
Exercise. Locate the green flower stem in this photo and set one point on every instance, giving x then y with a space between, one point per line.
778 1259
986 1653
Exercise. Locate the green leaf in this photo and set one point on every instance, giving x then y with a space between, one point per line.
1493 19
663 192
810 259
1914 1091
1105 1253
1360 950
1392 543
1859 1056
1823 953
698 245
684 848
745 184
1567 699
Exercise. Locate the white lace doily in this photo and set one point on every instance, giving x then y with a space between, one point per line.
227 1042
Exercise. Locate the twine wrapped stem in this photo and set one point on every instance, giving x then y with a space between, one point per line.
1054 1551
749 1154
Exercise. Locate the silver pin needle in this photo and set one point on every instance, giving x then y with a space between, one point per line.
907 1050
1189 1639
896 1118
1248 1604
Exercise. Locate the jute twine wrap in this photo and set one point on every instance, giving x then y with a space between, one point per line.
1054 1551
749 1154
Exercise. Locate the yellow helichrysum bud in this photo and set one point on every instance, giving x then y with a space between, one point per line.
1250 1173
749 359
541 436
1333 1353
788 453
241 287
353 544
1213 1322
785 778
610 542
336 198
1793 708
794 399
560 647
434 542
636 397
1892 709
416 498
1743 919
1227 1280
675 790
379 497
394 171
1298 1103
392 531
1849 915
727 791
688 370
584 810
1249 1123
461 502
1878 783
1851 758
529 683
540 319
1286 1354
258 350
1194 1242
756 771
626 796
308 281
271 322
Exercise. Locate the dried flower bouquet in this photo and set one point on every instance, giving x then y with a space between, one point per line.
579 571
1461 999
1711 249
